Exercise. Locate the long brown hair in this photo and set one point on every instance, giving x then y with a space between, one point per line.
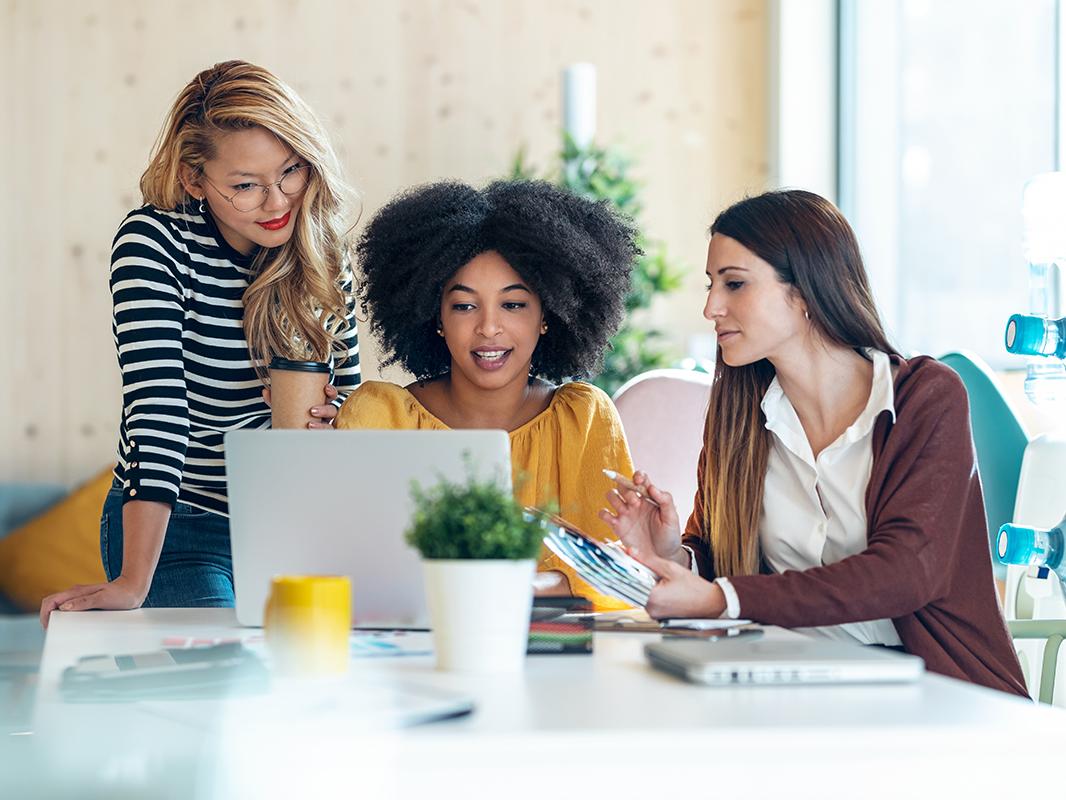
812 248
297 303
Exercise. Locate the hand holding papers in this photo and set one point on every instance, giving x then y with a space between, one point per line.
603 565
610 569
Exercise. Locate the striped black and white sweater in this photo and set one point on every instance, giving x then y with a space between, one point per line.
187 374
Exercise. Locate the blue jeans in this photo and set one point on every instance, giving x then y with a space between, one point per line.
195 567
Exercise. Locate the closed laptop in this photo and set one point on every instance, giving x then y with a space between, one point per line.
782 661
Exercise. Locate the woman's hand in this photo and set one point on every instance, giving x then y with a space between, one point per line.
324 414
640 524
551 583
680 592
118 595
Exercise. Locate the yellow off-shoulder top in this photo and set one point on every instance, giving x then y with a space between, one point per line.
558 456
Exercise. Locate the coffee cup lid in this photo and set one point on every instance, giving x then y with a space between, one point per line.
298 366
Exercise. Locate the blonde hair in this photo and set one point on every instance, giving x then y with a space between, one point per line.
297 303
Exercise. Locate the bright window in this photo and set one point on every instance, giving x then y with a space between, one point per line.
946 109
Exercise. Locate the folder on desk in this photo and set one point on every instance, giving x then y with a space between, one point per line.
560 626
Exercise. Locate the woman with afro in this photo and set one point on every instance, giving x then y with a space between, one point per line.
495 300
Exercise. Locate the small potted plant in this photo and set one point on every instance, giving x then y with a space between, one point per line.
478 559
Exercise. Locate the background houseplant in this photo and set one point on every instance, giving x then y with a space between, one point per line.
478 558
600 173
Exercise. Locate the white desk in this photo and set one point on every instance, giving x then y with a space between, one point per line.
605 725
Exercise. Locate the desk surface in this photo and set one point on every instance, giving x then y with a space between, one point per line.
591 723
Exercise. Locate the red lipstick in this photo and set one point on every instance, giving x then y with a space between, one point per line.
276 224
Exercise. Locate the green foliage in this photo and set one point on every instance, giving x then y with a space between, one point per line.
475 519
600 173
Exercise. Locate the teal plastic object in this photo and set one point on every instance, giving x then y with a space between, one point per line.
1032 547
999 438
1035 336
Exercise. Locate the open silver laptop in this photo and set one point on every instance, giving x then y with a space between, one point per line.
338 503
758 661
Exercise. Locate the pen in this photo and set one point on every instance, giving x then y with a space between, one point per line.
625 483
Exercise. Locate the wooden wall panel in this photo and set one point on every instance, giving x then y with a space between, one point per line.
411 91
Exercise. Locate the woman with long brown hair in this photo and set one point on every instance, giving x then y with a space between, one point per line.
240 253
838 487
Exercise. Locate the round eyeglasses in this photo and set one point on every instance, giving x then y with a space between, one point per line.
252 196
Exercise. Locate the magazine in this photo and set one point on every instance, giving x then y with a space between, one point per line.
603 565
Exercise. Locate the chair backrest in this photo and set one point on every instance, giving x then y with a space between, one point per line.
663 412
999 438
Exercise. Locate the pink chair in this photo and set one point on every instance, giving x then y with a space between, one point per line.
663 412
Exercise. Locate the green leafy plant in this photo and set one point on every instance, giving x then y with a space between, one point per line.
600 173
471 520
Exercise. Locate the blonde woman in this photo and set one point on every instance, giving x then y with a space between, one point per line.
240 248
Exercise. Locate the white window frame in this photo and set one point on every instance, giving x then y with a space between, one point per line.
869 127
803 124
1060 86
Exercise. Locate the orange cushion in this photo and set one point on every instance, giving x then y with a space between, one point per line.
57 549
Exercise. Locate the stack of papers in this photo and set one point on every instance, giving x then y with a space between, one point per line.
603 565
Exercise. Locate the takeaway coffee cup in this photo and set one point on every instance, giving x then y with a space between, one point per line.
295 386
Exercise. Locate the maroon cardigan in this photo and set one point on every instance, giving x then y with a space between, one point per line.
926 565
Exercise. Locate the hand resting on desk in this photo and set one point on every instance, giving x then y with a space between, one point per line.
121 594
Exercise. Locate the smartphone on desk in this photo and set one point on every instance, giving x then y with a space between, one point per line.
710 629
711 633
184 673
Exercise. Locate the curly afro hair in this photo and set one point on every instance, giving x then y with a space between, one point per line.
576 255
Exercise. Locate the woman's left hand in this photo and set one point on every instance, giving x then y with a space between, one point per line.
680 592
323 414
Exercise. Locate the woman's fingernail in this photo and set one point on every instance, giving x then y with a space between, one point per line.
65 607
314 412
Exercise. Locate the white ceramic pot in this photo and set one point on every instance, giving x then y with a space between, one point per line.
479 609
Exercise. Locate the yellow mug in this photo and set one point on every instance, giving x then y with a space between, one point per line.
307 621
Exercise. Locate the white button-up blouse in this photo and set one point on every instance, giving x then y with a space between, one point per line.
814 509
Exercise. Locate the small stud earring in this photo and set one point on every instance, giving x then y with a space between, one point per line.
544 328
440 330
